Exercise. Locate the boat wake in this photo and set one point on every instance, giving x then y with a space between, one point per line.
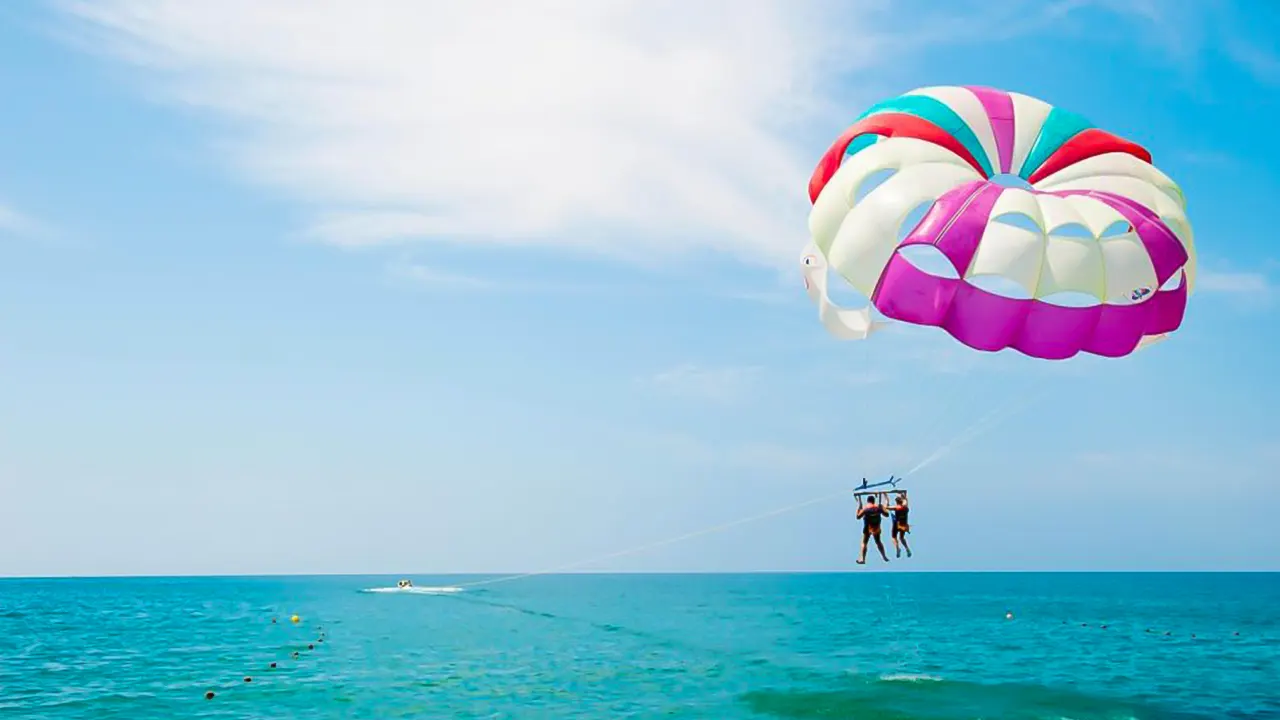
426 590
904 677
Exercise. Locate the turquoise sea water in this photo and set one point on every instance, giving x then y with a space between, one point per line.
858 645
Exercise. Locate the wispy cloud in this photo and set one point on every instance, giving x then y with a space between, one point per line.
599 126
15 223
443 280
437 279
1254 287
717 384
1209 159
1248 283
514 122
1187 31
1259 61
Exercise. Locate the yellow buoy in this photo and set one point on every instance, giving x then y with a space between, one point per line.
295 619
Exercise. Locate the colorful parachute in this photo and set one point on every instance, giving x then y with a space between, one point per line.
1094 218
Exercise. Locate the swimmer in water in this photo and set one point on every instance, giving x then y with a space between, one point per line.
900 525
870 515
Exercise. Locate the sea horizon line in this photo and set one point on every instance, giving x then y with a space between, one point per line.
613 573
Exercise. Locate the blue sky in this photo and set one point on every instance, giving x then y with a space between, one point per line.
391 287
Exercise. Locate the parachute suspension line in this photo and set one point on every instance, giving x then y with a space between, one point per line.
983 425
949 412
662 543
943 416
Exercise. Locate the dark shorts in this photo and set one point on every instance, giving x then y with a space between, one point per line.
901 528
870 532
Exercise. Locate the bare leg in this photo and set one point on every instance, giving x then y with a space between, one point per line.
904 544
897 549
880 547
862 556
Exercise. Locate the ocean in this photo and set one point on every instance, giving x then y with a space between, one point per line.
868 645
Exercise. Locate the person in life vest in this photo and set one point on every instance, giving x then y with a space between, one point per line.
901 527
870 515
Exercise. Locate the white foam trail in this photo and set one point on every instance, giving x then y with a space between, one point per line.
441 590
910 678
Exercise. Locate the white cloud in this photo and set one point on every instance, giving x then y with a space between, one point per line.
518 121
14 223
1252 285
436 279
1259 61
1209 158
1187 32
442 279
633 127
11 221
718 384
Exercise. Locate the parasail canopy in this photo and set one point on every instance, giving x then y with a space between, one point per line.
1052 237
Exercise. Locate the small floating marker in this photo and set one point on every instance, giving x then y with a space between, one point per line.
295 619
310 646
208 695
273 665
1008 616
248 679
